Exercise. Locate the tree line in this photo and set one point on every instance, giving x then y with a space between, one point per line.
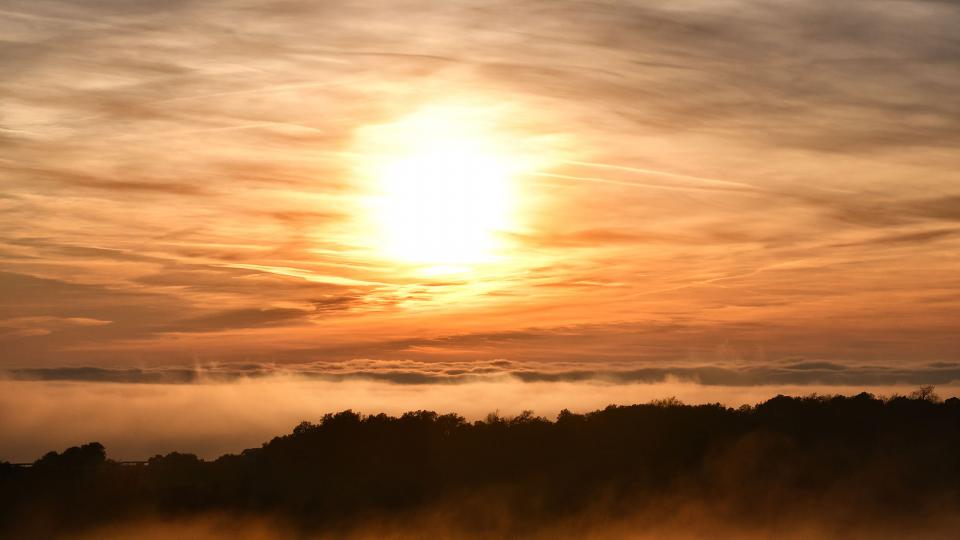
886 459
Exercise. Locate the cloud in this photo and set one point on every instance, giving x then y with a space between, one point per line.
410 372
29 296
237 318
40 326
334 303
712 184
904 238
92 374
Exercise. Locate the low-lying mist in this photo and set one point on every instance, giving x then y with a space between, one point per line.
671 520
136 421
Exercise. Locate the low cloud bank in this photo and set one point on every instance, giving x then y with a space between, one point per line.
411 372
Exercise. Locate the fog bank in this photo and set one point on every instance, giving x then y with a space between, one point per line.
136 421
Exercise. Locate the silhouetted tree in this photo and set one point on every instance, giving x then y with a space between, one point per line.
888 457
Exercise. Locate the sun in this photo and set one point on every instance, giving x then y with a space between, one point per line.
443 188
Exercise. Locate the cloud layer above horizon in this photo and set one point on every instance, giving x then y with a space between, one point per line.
734 193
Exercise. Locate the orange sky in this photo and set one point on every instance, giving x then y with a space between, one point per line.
732 192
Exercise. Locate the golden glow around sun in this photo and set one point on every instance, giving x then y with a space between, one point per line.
443 188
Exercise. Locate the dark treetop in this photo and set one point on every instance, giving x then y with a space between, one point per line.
885 459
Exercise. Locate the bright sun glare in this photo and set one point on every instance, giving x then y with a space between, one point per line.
443 188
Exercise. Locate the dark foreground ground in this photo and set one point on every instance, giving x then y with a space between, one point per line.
814 467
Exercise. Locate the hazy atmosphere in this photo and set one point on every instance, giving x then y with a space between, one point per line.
220 219
537 269
698 183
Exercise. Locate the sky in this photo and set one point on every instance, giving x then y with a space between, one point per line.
729 193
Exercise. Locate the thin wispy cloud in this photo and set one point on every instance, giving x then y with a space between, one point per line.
725 185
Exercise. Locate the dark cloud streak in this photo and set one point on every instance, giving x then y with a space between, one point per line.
789 372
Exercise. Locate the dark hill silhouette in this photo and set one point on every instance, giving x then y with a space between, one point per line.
887 460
